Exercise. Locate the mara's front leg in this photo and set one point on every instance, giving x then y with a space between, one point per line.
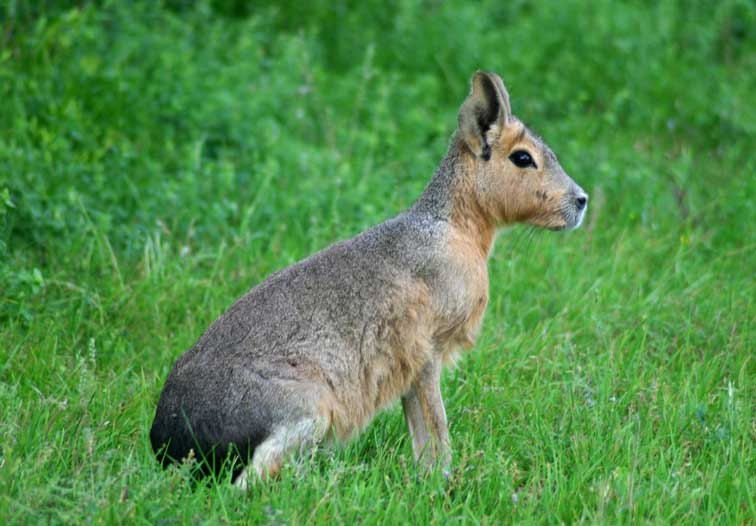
426 418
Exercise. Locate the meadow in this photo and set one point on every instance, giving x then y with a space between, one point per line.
158 159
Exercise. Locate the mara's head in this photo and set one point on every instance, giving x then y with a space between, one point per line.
518 179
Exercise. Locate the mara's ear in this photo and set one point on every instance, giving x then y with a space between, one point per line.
484 113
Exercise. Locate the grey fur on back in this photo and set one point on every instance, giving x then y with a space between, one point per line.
319 317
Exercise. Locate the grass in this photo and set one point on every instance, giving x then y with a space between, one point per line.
157 160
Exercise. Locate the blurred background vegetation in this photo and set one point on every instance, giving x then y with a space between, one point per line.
159 158
229 118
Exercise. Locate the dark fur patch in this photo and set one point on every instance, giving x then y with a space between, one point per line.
219 437
486 153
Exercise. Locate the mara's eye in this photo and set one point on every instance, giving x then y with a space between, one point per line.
522 159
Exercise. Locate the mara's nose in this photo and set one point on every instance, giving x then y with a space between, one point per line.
581 200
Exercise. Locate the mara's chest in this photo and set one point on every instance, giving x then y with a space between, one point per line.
462 294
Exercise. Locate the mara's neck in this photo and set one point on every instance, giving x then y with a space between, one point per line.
451 196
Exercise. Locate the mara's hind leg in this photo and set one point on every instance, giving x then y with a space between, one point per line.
286 439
